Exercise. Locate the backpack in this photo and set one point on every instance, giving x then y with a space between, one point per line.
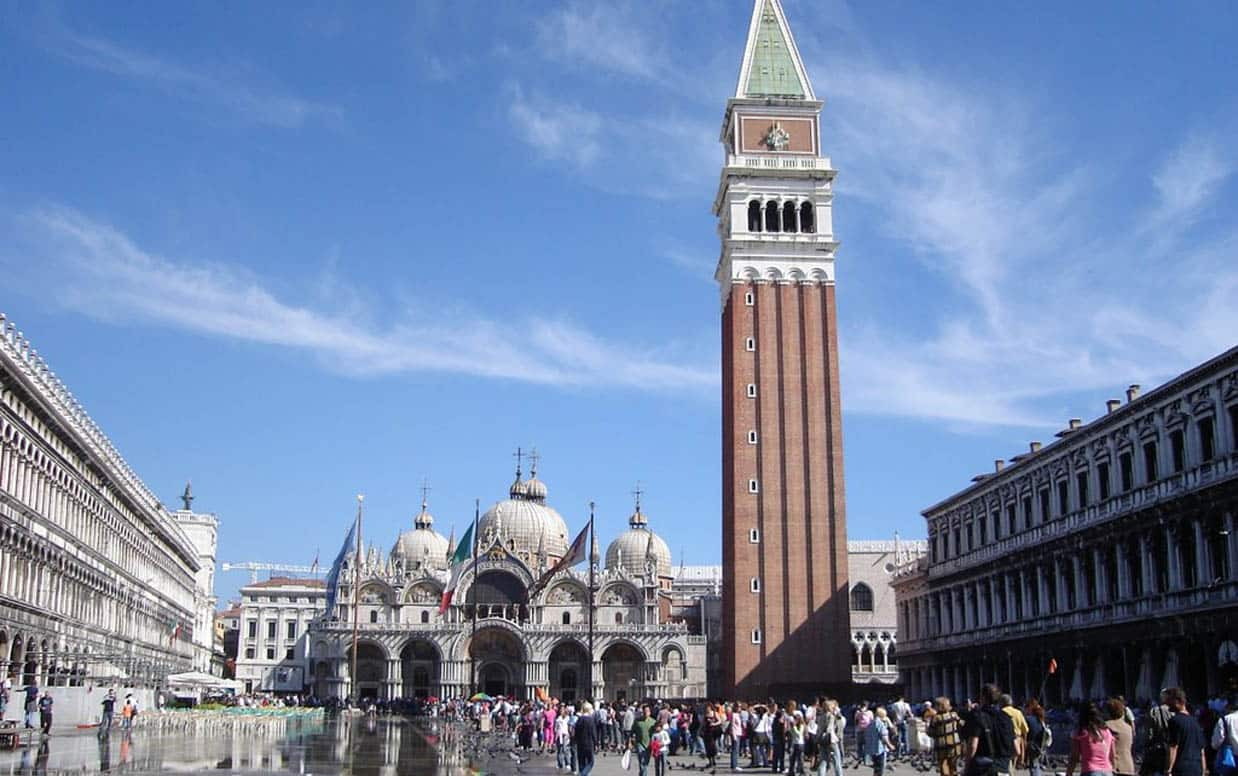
998 732
655 747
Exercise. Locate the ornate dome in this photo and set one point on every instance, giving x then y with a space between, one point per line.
631 549
535 489
422 545
528 523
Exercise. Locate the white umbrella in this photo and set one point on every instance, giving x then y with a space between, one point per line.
1097 692
1143 686
1171 669
1076 681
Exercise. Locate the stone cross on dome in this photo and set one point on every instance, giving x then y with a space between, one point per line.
425 492
534 458
519 456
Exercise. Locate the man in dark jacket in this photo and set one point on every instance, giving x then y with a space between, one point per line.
586 739
988 737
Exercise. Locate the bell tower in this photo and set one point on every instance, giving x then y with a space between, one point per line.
785 620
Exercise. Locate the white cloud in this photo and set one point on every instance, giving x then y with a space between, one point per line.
268 106
555 129
1190 177
1051 294
605 36
96 270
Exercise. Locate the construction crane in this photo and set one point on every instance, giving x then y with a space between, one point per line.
254 567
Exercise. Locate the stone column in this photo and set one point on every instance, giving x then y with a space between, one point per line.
1101 583
1124 572
1175 559
1203 570
1081 582
1149 576
1042 589
1232 542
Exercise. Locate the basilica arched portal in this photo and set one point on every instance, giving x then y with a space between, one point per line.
568 671
419 669
621 671
499 658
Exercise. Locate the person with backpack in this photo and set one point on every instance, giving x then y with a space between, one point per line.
877 740
863 718
1039 736
658 747
1156 751
988 737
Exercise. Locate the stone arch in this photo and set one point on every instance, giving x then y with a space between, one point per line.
619 594
420 661
674 667
565 592
377 591
754 215
371 661
568 670
773 274
773 216
623 674
797 275
790 217
751 273
819 274
499 654
807 218
861 597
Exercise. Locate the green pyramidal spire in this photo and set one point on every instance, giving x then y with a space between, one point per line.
773 62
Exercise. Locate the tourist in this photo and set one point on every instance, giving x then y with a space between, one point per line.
658 748
45 713
109 711
710 729
778 740
548 728
586 738
641 738
831 729
877 740
1123 737
625 727
1091 747
863 718
988 737
947 737
1225 734
32 702
1156 750
1019 723
127 712
900 712
795 744
760 737
735 732
1039 737
563 740
1184 737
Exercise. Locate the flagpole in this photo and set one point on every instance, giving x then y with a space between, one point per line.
473 603
356 603
592 583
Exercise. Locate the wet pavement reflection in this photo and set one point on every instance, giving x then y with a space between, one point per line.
359 746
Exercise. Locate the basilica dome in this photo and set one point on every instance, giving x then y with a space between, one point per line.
526 520
422 546
631 548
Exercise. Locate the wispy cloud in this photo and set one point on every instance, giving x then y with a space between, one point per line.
606 36
555 129
227 90
94 269
1045 299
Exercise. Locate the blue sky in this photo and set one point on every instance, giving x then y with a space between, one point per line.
300 251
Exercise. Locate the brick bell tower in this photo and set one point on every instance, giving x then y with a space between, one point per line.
785 618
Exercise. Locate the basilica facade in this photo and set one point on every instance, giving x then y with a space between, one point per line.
502 634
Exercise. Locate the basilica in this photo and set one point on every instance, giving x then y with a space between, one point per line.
518 639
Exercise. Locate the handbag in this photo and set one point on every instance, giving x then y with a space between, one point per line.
1225 762
626 760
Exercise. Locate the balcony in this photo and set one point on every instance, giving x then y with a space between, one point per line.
798 162
1117 506
1173 604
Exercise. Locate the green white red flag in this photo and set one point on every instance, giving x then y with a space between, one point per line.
464 552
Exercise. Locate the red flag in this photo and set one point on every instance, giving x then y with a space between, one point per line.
575 554
1052 665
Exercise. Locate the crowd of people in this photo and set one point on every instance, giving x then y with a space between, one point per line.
986 736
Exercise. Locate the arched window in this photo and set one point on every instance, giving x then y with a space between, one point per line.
754 216
618 618
788 218
567 618
861 598
807 218
374 615
772 218
425 615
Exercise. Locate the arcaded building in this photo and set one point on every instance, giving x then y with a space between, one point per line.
499 637
1111 552
99 582
871 567
784 534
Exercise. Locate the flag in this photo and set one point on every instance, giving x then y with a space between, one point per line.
333 575
1053 665
176 631
540 694
464 551
575 554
